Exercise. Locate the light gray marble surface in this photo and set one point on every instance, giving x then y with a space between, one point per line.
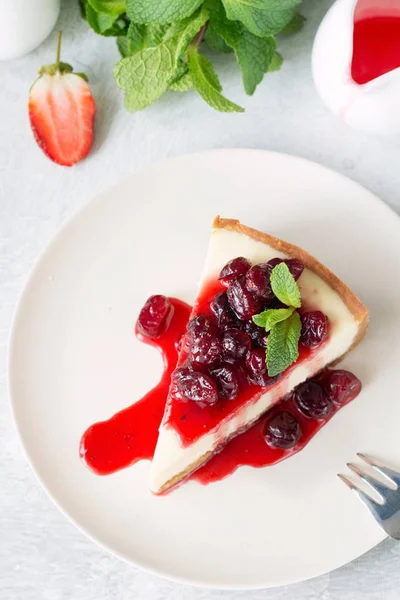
42 555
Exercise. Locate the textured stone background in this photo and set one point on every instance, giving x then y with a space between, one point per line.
41 554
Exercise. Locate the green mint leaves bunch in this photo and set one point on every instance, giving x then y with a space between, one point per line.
161 43
283 324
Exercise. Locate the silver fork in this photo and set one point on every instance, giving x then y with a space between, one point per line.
386 512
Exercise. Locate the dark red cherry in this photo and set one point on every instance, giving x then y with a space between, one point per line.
341 386
257 334
295 266
242 301
227 380
282 431
314 328
194 385
234 269
312 401
258 281
206 351
257 367
155 316
223 313
235 344
200 325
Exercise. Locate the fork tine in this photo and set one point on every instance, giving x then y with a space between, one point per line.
349 483
393 476
369 502
378 486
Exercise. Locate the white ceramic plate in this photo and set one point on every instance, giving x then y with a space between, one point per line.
74 360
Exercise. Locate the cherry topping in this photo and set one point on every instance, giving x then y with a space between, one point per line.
282 431
257 367
257 334
199 326
221 309
341 386
242 301
194 385
155 316
235 344
227 380
206 351
314 328
258 281
295 266
312 400
234 269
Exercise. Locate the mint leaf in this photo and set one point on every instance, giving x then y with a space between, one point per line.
271 317
105 24
122 44
283 345
261 17
254 54
97 21
160 11
215 41
275 63
284 286
113 8
141 36
135 38
184 31
295 25
206 82
182 80
146 75
183 84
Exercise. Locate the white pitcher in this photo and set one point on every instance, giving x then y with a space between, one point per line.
372 107
24 24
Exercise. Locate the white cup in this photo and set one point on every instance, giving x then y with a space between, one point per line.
24 24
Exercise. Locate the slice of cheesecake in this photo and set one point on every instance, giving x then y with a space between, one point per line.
223 382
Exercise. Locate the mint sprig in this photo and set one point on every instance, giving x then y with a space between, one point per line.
284 286
161 51
283 324
283 344
206 82
147 74
271 317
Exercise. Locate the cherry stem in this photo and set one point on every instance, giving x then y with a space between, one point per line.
58 50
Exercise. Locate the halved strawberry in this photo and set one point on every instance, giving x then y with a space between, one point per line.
61 112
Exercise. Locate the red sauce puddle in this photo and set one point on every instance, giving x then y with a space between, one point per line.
376 40
131 435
